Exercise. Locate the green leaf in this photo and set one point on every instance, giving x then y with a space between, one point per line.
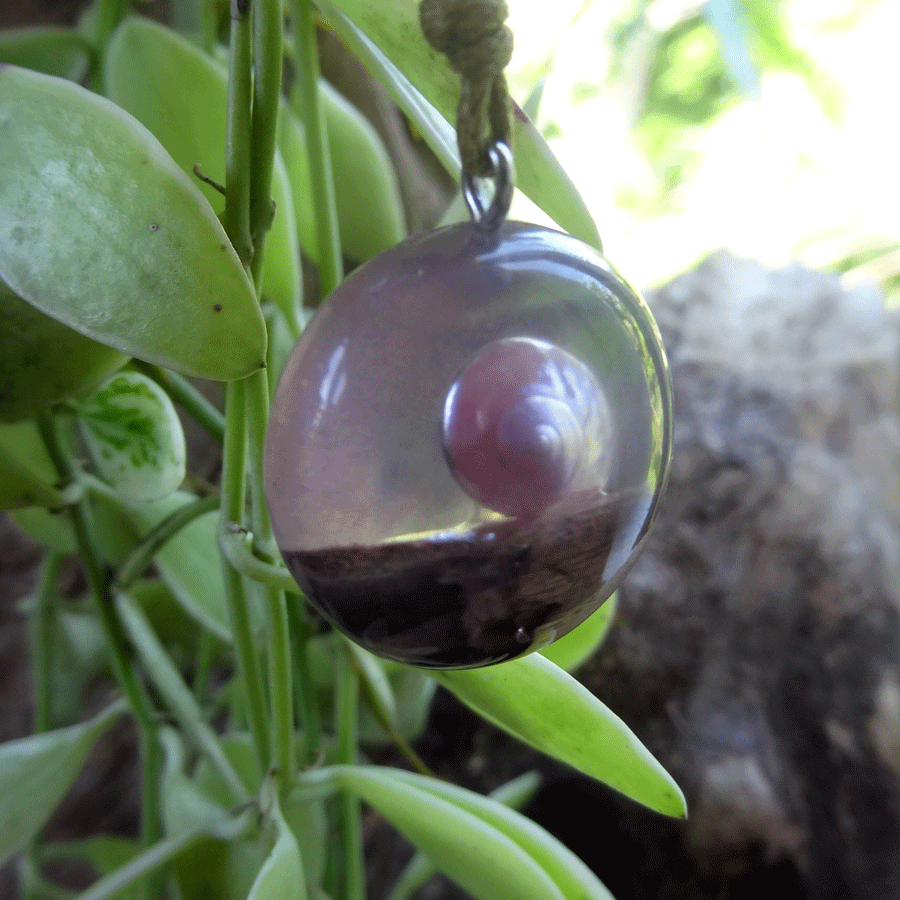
393 27
53 51
100 229
179 700
53 530
42 360
573 878
360 160
240 751
27 475
572 649
281 877
181 95
538 703
430 123
190 564
480 858
419 870
309 823
134 436
374 681
361 163
213 868
36 772
106 853
184 805
167 616
167 851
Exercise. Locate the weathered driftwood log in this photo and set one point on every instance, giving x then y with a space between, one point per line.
757 646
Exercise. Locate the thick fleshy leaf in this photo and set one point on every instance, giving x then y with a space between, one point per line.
393 27
134 437
35 774
105 853
538 703
27 475
100 229
361 161
179 699
480 858
183 804
281 876
173 850
376 687
50 529
573 878
571 650
181 95
42 360
419 870
190 564
214 869
362 165
54 51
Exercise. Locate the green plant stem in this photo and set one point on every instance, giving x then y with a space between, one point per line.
177 695
305 695
236 216
206 654
257 400
97 583
136 563
331 263
267 61
352 872
280 668
235 544
42 617
281 680
188 398
165 851
234 463
141 707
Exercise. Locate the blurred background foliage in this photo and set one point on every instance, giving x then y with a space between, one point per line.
764 126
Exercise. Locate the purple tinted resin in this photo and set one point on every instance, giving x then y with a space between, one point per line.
468 443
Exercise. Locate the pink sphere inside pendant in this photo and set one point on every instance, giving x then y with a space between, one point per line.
521 423
468 443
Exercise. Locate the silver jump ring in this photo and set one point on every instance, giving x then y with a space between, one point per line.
489 216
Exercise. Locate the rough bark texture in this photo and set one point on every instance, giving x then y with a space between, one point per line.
757 649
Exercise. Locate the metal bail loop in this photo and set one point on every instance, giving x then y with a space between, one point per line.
490 216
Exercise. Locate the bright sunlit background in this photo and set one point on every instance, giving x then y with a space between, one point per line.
763 126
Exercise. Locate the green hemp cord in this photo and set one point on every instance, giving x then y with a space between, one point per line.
478 46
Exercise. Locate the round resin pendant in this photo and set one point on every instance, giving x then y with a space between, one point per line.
468 443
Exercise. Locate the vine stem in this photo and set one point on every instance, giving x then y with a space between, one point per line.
331 264
234 464
187 397
236 216
177 695
349 872
42 640
99 586
280 668
136 563
268 52
352 875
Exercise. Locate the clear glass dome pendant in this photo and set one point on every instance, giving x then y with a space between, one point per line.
468 443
